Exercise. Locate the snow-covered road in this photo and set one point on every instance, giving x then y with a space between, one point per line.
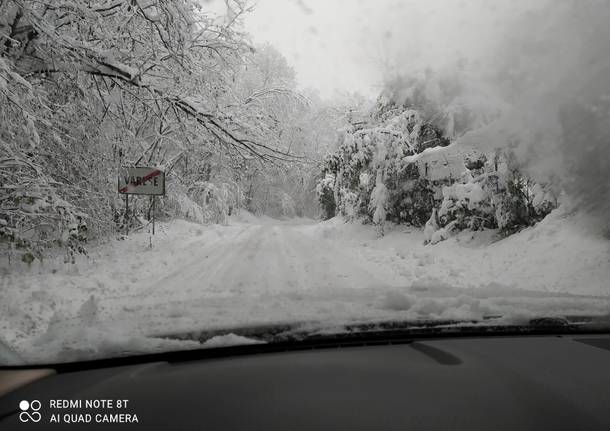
258 271
249 274
266 260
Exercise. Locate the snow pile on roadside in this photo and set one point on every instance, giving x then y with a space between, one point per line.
559 254
243 216
56 311
130 298
72 339
429 299
230 339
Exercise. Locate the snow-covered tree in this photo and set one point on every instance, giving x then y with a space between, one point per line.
86 87
400 164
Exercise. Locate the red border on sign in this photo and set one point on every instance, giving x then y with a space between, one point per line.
130 187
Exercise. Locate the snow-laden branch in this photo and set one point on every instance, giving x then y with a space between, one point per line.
58 44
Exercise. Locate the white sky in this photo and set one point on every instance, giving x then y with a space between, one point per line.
323 40
351 45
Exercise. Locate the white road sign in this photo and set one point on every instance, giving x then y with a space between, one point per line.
141 181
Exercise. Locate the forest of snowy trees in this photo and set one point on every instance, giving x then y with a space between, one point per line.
87 87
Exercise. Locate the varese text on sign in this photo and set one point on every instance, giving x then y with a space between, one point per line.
141 181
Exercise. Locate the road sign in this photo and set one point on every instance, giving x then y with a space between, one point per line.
141 181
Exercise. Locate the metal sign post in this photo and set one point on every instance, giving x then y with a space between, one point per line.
126 214
153 212
141 181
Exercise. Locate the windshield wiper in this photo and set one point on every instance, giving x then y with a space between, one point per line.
307 336
320 333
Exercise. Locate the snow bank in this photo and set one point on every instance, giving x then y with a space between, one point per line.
559 254
230 340
56 311
243 216
131 298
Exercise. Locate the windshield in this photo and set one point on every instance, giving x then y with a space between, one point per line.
195 174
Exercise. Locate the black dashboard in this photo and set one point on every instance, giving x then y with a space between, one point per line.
478 383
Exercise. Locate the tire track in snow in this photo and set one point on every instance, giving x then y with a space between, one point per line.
280 264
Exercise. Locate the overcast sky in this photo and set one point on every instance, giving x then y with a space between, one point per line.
325 41
351 45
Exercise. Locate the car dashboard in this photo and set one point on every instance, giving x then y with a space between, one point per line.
468 383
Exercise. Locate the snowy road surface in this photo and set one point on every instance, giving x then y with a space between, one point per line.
259 271
266 260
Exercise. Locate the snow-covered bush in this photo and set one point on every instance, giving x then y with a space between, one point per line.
326 197
214 200
177 203
422 179
349 204
202 202
467 205
34 218
376 178
499 196
35 213
379 202
543 201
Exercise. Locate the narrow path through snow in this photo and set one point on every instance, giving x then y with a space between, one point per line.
281 267
267 271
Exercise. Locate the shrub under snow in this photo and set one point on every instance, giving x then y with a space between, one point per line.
397 166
